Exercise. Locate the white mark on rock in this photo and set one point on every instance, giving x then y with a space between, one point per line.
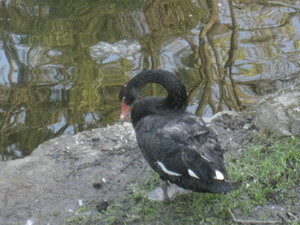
29 222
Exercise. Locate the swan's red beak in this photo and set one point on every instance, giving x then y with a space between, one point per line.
125 110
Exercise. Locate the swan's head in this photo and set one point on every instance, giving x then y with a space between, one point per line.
127 97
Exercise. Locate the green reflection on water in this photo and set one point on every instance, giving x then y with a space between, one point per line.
51 85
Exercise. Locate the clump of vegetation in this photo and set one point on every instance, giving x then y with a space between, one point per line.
266 177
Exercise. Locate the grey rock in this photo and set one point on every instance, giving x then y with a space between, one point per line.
279 113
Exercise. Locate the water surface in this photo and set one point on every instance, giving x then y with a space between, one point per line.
62 62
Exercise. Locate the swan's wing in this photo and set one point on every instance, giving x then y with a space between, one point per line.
192 132
181 146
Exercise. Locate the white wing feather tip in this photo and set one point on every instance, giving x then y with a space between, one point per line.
169 172
219 175
192 174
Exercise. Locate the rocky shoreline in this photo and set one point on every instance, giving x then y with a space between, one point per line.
102 165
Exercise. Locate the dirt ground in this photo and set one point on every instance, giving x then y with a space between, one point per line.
61 174
101 165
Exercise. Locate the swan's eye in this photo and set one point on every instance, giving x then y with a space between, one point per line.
123 99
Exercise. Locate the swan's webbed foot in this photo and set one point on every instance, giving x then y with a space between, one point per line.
166 192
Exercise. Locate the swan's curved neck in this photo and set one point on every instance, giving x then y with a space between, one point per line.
176 99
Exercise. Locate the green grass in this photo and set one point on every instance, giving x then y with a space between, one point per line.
264 175
268 173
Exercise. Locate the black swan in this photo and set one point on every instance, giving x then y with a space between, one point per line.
175 143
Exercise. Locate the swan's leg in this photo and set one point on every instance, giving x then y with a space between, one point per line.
164 187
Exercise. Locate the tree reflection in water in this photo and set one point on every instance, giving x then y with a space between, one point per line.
228 53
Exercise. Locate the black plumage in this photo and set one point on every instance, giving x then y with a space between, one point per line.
176 144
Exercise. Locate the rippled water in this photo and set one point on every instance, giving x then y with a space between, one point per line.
62 62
